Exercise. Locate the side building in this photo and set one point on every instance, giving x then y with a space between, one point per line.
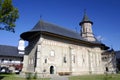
10 60
109 61
118 60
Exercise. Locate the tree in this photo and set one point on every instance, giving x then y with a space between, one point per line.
8 15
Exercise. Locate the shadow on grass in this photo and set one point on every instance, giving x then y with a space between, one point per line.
1 76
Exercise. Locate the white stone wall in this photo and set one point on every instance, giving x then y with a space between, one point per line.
79 59
109 61
54 52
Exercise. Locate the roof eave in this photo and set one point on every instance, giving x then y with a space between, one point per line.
27 35
85 22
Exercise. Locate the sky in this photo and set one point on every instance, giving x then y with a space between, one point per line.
105 15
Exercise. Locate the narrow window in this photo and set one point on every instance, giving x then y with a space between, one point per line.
45 60
10 60
74 58
2 60
64 59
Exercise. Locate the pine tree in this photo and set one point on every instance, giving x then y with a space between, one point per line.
8 15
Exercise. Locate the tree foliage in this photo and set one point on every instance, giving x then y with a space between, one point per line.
8 15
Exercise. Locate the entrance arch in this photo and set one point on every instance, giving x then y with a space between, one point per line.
52 70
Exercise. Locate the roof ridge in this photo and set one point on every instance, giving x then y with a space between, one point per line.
58 26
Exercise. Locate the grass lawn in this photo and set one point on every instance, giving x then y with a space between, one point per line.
85 77
96 77
15 77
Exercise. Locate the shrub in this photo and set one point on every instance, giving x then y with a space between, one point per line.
35 76
64 73
28 76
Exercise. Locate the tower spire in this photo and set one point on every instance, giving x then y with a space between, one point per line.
86 26
40 17
84 11
85 19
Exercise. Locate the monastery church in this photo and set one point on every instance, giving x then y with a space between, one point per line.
56 50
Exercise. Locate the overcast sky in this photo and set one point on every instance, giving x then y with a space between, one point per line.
105 15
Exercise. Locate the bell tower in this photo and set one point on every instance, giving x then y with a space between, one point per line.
86 28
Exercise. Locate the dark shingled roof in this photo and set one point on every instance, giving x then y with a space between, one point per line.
51 28
42 26
11 51
111 51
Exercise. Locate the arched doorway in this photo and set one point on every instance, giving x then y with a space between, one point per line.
51 69
107 70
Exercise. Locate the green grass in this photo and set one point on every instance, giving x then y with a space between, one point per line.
85 77
16 77
96 77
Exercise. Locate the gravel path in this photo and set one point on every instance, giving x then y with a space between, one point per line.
55 77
